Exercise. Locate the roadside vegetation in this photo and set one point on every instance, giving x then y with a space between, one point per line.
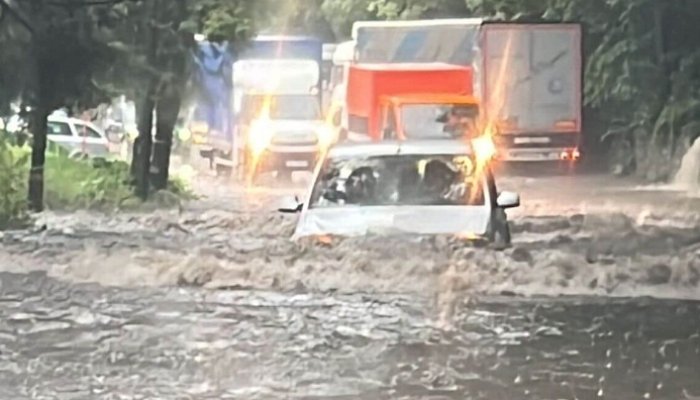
73 184
79 54
13 183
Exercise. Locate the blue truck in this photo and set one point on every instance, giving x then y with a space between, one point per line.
218 91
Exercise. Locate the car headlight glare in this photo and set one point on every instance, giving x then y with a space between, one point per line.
326 136
260 136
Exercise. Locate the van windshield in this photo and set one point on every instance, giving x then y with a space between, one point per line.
399 180
291 107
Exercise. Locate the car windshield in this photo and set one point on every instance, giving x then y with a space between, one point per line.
438 120
399 180
290 107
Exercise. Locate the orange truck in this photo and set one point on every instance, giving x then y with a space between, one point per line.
398 101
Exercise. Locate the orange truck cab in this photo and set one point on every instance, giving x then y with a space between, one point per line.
379 95
427 116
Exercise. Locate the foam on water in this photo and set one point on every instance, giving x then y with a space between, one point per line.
595 254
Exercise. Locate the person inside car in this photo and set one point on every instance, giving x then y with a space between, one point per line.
361 186
459 121
437 181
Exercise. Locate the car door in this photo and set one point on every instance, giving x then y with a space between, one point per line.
89 140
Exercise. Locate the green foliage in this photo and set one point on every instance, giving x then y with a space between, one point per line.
73 184
78 184
13 185
180 188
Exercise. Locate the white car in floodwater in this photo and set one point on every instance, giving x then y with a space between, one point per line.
419 187
78 137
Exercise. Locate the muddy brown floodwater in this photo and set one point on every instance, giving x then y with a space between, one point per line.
596 299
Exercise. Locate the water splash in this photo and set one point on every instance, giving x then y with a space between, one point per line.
688 176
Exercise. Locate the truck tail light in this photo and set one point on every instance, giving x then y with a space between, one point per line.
565 124
570 154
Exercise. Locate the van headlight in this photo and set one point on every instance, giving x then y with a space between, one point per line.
260 136
326 136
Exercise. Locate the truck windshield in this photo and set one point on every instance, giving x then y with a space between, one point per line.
290 107
407 180
438 120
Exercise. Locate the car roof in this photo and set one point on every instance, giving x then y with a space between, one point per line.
409 147
71 120
60 118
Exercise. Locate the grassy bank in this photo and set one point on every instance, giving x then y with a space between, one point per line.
72 184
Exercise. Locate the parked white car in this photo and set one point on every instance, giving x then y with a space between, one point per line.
420 187
78 137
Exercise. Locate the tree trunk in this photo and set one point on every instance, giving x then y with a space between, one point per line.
36 173
143 145
167 110
141 161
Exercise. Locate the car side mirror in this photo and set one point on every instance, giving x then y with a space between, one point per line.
290 205
508 200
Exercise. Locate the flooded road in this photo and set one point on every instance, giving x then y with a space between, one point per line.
214 302
60 340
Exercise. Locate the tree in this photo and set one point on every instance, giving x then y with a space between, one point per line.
61 51
156 38
14 39
79 53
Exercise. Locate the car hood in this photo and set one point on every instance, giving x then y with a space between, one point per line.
420 220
